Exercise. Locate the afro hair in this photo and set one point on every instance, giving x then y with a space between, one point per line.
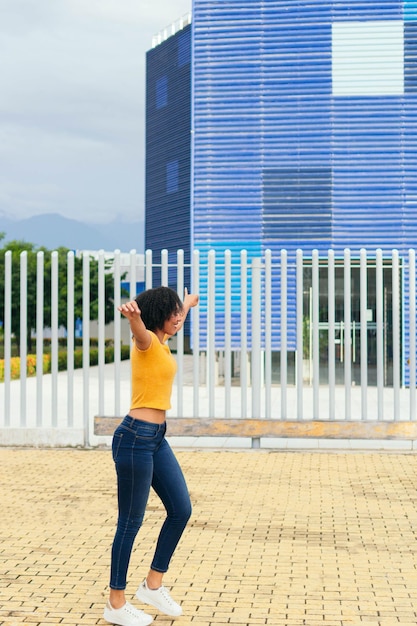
157 305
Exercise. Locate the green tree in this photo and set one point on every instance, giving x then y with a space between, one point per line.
16 248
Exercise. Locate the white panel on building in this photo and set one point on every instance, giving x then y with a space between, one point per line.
368 58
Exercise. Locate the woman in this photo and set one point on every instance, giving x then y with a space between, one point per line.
143 457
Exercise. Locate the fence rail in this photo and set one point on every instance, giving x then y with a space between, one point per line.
297 338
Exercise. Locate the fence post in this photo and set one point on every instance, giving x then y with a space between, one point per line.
211 330
364 333
256 338
54 338
268 332
315 323
256 344
396 332
70 337
380 333
284 329
348 331
101 331
164 268
23 334
331 333
132 277
195 330
227 331
243 333
7 334
412 333
39 335
86 347
180 337
148 269
117 331
300 347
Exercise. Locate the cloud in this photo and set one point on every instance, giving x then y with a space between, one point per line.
72 106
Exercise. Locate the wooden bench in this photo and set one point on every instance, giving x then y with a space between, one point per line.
257 428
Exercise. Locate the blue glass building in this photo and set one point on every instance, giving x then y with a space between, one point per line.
168 145
303 125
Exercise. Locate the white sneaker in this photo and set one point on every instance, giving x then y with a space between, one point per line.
126 616
159 598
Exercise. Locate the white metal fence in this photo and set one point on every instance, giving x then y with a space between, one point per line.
299 337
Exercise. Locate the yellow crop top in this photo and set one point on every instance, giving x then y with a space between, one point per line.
153 372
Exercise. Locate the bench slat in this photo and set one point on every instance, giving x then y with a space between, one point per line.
217 427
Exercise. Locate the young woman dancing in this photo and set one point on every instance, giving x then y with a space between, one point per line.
143 457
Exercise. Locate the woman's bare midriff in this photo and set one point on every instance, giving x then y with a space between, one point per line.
156 416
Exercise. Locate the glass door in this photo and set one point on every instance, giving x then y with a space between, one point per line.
354 330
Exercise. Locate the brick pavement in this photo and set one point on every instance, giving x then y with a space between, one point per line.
276 538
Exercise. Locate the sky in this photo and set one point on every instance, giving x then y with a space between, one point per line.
72 105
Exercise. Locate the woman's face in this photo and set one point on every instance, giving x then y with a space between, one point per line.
172 323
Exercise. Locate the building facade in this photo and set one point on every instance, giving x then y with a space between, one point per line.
303 128
168 144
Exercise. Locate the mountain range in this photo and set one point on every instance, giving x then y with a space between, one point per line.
53 231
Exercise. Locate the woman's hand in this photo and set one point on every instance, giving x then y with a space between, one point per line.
130 310
190 300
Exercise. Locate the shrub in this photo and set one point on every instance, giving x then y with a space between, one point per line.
62 361
30 366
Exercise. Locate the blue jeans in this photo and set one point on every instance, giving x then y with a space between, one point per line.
144 459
